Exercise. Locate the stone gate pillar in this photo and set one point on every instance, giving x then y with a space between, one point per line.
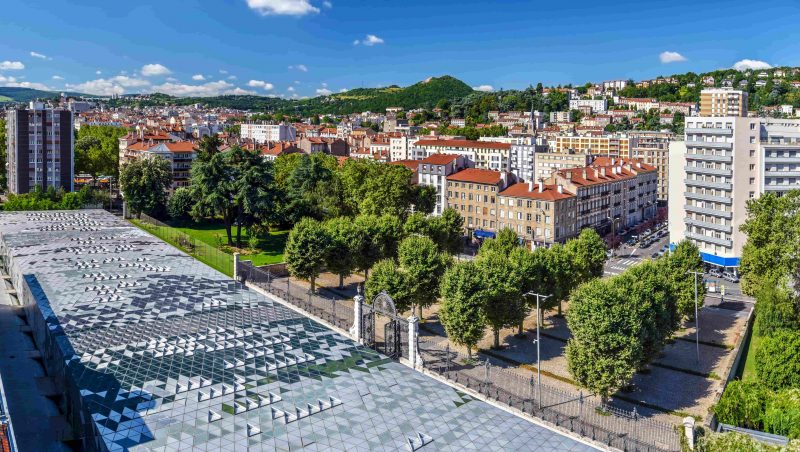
413 333
358 302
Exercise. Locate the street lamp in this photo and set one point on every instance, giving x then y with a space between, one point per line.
696 316
538 346
613 233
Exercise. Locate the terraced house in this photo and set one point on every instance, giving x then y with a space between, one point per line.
473 193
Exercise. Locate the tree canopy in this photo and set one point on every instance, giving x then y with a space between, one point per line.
144 184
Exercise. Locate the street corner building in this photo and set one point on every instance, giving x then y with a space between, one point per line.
154 350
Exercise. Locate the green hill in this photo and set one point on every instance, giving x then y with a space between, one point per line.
15 94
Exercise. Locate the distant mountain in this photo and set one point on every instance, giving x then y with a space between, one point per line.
15 94
423 94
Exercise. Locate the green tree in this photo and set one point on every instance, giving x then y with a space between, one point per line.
388 277
208 147
504 242
306 249
380 237
683 259
144 184
773 235
448 231
424 198
782 414
778 360
504 304
604 350
346 241
560 275
743 404
87 156
424 266
588 254
775 310
179 206
97 150
462 307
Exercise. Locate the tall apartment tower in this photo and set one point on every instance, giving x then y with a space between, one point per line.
40 148
724 162
723 102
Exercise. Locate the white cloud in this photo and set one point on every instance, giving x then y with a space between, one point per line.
9 79
40 56
58 77
223 71
290 89
324 85
343 90
743 65
198 77
484 88
260 84
282 7
327 4
299 67
203 90
98 72
231 77
155 69
369 41
671 57
13 82
11 66
297 82
324 92
241 92
172 79
109 86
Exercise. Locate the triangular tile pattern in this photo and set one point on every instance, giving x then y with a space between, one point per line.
163 353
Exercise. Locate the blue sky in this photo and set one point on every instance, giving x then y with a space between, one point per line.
297 48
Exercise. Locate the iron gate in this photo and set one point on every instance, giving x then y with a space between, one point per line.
392 345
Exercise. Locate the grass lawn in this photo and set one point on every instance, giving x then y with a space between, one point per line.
749 371
213 234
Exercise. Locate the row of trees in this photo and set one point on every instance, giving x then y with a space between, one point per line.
245 190
770 399
494 290
620 324
97 150
342 245
54 199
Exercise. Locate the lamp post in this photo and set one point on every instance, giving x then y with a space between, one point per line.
696 316
538 346
613 233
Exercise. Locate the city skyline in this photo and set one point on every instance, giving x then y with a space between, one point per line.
307 48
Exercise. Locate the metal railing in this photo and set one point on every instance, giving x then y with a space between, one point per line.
208 254
336 312
578 413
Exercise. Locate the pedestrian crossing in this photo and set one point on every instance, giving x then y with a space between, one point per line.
619 266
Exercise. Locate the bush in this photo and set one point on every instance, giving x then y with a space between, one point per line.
775 310
735 442
742 404
778 360
782 416
180 203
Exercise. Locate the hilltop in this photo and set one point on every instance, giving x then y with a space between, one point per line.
15 94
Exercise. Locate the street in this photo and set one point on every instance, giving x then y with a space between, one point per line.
626 256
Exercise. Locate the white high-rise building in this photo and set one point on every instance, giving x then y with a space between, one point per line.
261 133
724 162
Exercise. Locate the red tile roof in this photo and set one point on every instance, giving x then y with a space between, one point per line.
439 159
181 146
475 175
413 165
522 190
464 144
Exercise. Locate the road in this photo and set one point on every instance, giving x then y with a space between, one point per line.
626 256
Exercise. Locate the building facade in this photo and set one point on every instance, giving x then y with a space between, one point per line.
540 214
653 148
39 148
433 171
607 145
484 154
473 193
723 102
261 133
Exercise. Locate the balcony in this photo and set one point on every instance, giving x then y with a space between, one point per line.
795 159
710 171
702 197
708 131
706 211
707 184
709 239
709 144
710 158
781 187
707 225
782 173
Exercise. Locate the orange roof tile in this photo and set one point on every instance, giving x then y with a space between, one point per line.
439 159
522 190
476 175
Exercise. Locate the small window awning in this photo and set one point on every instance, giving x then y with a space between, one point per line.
481 234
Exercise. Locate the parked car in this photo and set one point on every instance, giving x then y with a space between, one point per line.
715 272
656 255
730 277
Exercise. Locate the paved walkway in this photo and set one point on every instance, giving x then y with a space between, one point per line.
35 417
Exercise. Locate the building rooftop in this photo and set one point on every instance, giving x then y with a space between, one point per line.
531 191
464 144
476 175
157 351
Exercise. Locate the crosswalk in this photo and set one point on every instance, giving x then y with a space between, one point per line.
619 266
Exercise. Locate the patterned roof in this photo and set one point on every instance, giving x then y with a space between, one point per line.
161 352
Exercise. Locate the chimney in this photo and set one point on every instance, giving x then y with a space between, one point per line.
568 174
541 186
596 173
530 186
583 173
603 171
613 161
503 179
560 188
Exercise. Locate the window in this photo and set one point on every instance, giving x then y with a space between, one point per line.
752 153
752 180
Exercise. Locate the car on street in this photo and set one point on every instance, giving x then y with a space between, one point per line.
715 272
728 276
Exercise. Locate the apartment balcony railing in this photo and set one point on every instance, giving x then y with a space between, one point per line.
709 144
706 211
704 197
708 131
710 158
708 184
709 239
707 225
710 171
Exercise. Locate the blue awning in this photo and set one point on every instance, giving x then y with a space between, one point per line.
481 234
714 259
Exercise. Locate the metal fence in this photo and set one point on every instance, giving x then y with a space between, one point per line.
578 413
336 312
193 246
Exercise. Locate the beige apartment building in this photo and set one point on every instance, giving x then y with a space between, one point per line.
540 214
653 148
473 193
608 145
484 154
723 102
546 163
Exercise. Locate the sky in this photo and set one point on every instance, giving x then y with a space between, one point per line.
307 48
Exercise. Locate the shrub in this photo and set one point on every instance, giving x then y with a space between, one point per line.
180 203
742 404
734 442
778 360
775 310
782 416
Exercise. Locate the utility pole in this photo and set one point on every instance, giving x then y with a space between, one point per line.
538 347
696 316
